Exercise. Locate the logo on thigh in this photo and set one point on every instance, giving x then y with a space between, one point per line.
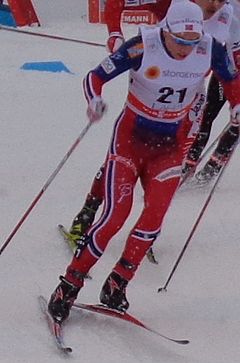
125 191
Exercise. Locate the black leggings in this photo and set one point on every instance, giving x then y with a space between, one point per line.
215 102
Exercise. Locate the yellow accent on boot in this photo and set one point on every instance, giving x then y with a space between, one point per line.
76 231
73 236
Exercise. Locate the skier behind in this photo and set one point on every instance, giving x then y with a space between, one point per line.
220 22
225 27
167 66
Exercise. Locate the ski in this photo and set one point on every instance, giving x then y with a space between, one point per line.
102 309
54 327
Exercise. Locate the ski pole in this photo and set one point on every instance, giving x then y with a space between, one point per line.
164 288
46 185
50 36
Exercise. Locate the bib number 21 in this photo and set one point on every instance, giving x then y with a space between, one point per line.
167 92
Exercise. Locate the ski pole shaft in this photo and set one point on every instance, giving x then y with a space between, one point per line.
164 288
50 36
45 186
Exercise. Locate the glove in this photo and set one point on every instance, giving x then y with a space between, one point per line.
235 114
114 42
96 109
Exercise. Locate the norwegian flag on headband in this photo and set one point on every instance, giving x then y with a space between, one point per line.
189 27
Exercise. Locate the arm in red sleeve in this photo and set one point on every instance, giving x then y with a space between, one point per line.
92 85
112 13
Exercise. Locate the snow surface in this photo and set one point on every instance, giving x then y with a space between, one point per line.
42 114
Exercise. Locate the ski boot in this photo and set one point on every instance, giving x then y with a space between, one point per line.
113 293
193 155
210 170
188 170
83 220
62 300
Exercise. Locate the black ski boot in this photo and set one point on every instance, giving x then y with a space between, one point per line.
113 293
62 299
209 171
188 169
84 219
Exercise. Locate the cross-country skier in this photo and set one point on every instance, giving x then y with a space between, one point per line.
219 22
225 27
167 66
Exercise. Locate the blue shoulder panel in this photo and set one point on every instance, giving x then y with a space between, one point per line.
128 56
221 63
